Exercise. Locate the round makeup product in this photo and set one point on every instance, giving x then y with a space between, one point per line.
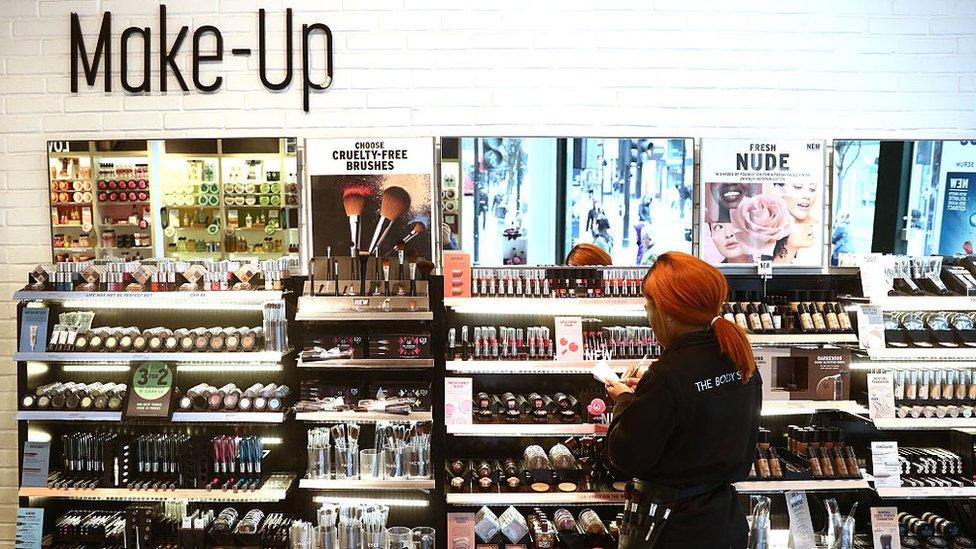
540 487
567 487
619 486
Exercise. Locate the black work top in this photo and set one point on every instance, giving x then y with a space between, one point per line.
691 424
690 421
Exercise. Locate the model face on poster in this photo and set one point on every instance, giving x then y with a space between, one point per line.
801 236
724 238
727 197
800 197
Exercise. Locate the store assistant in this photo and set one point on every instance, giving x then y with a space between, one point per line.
686 429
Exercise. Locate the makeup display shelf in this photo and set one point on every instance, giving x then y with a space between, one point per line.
371 378
100 445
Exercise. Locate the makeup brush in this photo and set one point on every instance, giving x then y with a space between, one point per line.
363 260
394 202
412 256
386 276
415 231
353 201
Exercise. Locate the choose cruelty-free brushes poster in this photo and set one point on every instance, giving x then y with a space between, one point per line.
368 195
762 200
399 205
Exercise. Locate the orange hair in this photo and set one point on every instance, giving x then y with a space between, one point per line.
692 292
588 254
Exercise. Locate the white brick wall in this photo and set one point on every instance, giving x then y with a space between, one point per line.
833 68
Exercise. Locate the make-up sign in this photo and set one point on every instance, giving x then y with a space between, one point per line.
152 391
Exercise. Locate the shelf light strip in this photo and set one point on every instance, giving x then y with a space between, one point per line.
142 304
95 368
392 502
229 368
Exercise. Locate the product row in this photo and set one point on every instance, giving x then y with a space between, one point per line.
556 282
536 530
930 330
159 276
257 398
533 408
400 451
932 467
159 462
366 275
536 343
368 345
579 464
776 315
76 396
400 397
931 530
357 526
108 339
170 525
811 453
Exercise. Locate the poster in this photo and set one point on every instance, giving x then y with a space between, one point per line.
762 201
369 195
958 214
33 330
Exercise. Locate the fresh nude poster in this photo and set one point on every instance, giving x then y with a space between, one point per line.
762 200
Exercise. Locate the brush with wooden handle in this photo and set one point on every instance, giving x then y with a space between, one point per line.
393 203
353 201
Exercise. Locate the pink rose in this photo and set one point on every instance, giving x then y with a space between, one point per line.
762 220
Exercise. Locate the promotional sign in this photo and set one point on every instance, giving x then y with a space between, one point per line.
371 195
881 396
870 327
30 523
885 464
458 400
762 200
460 530
152 391
884 528
36 464
801 525
33 330
958 214
569 338
457 274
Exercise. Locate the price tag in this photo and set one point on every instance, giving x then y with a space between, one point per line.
801 525
30 523
152 391
881 396
884 528
765 268
884 460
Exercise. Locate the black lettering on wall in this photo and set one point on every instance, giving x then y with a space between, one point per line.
146 41
103 46
167 57
307 31
198 58
263 52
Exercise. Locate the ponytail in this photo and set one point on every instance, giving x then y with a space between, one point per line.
734 344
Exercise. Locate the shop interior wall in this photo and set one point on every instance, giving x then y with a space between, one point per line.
834 68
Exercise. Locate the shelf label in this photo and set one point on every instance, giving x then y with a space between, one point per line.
458 401
881 396
30 523
37 460
870 327
884 528
765 268
152 391
885 466
569 338
801 525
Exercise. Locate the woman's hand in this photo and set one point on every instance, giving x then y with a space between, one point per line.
617 388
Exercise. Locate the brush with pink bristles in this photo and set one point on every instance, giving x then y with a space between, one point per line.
394 202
